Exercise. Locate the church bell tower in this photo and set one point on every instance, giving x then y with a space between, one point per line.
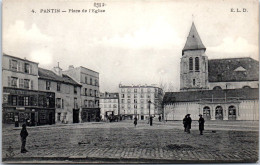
194 63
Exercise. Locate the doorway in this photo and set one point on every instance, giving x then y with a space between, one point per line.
75 116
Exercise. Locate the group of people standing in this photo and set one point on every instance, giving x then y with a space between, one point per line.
187 123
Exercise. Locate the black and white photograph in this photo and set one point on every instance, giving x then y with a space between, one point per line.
130 81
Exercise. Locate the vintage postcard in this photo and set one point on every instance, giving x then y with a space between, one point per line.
130 81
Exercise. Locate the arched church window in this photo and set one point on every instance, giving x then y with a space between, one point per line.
190 63
246 87
217 88
197 64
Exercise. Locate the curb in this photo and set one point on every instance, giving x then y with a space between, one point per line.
84 159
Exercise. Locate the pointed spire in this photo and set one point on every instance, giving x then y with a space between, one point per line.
193 40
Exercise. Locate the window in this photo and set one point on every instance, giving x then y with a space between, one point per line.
48 85
14 65
26 83
58 86
27 68
197 65
58 117
86 103
142 90
14 100
194 82
96 83
148 90
142 95
142 101
75 90
90 92
148 96
90 81
114 106
86 79
128 96
128 106
123 95
86 91
135 106
190 63
14 81
21 83
128 90
75 103
21 101
95 93
26 101
128 101
135 95
217 88
135 90
122 90
122 100
58 103
135 101
109 100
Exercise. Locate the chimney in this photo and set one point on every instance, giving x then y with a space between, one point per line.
57 70
71 67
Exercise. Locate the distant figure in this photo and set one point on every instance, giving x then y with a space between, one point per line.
160 118
135 121
151 121
188 121
201 124
23 135
185 123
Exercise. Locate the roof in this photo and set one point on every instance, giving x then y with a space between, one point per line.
19 58
233 69
193 41
191 96
50 75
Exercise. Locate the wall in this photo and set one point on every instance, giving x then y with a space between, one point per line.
66 93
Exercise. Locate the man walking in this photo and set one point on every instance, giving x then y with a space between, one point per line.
185 123
188 121
135 121
201 124
23 135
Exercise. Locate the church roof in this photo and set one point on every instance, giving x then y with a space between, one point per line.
193 40
50 75
216 95
233 69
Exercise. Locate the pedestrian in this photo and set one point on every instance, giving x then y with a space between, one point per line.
160 118
201 124
135 121
185 123
151 120
188 121
23 135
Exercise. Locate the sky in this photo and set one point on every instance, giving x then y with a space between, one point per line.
132 42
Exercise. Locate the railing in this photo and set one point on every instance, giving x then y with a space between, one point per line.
220 100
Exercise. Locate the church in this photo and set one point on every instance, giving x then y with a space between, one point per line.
219 89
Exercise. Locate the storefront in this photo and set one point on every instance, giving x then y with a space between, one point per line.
33 107
90 114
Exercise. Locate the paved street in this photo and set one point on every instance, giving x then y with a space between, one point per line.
225 141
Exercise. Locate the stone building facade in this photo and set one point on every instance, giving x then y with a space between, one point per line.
89 80
67 94
21 98
134 101
109 105
220 89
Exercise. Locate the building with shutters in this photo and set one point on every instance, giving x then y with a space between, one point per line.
220 89
67 94
109 105
89 80
134 101
21 98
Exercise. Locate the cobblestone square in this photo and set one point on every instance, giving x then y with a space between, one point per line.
121 142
